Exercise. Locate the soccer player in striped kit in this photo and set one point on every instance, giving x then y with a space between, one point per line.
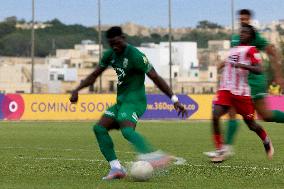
234 90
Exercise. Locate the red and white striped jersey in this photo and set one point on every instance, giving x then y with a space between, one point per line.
236 79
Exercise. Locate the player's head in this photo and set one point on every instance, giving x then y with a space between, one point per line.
247 33
116 39
245 16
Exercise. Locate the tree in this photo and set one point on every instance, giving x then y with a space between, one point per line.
280 29
202 37
7 27
11 19
15 44
205 24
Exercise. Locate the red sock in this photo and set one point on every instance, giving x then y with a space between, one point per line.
262 134
218 140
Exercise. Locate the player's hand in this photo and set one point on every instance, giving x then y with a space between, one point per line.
74 97
238 65
180 109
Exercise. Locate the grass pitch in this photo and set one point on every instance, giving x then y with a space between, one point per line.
65 155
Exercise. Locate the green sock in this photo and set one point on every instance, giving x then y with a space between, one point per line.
140 144
277 116
105 142
232 129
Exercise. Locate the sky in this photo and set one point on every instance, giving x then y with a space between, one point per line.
154 13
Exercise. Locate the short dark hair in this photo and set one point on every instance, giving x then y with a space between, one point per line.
251 29
114 32
245 12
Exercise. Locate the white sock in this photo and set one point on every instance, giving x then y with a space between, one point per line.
115 164
266 140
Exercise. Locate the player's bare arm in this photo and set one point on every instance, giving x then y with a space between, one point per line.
164 87
220 66
86 82
256 69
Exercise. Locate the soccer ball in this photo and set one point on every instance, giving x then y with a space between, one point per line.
141 171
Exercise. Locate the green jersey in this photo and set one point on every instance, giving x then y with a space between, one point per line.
130 67
257 82
260 42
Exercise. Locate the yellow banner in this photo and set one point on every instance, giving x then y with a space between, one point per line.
58 107
92 106
204 106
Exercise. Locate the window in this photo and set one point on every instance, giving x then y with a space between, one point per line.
111 86
51 77
175 74
196 74
91 88
20 91
211 75
60 77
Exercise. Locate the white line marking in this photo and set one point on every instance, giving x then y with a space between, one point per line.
179 161
60 159
185 164
64 149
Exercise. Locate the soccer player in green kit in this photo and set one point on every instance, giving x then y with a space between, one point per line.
130 65
257 83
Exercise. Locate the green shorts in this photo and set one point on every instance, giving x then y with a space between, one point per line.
258 86
125 112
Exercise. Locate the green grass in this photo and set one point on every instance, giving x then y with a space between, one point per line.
65 155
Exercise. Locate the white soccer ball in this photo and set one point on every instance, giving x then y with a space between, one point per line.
141 171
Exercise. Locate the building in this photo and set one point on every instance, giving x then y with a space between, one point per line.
184 57
28 26
187 75
15 74
70 66
58 74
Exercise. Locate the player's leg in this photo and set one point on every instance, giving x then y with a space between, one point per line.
219 110
232 127
268 115
244 106
128 116
157 158
101 130
258 92
221 105
253 126
140 144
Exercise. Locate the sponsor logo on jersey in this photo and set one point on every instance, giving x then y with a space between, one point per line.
125 63
12 106
123 114
120 74
134 116
109 113
234 58
235 40
145 60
